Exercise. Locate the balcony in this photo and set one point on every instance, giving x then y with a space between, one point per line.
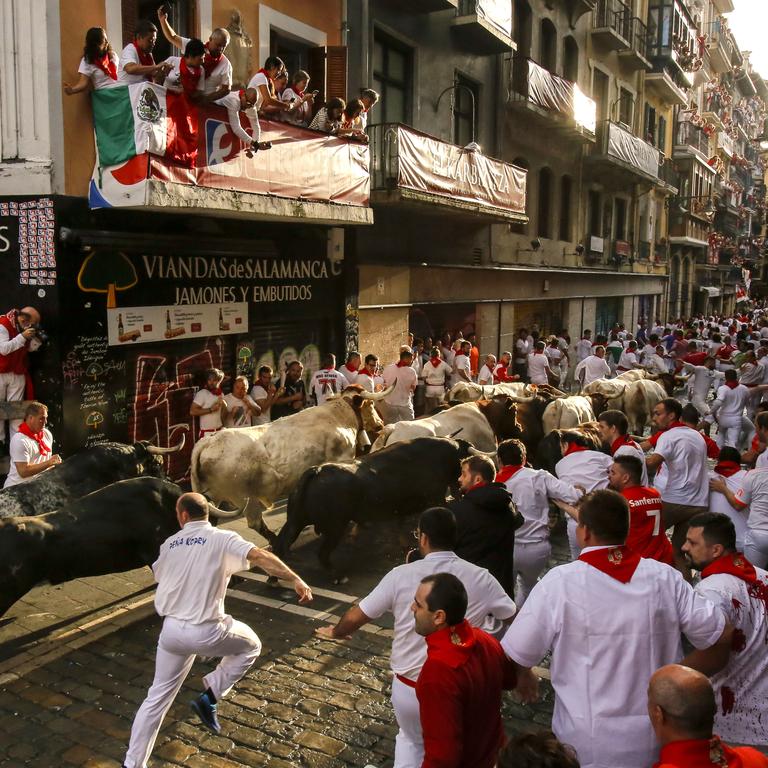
720 46
619 154
725 144
667 86
554 101
196 161
690 140
484 27
611 27
670 47
636 56
425 6
413 169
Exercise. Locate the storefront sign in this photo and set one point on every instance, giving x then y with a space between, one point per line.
438 168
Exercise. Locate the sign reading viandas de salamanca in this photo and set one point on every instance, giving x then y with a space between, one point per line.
221 268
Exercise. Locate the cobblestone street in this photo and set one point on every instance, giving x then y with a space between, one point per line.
306 702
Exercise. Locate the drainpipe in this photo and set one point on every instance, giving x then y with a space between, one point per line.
344 23
365 70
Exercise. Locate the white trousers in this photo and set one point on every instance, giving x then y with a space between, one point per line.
530 562
728 432
179 643
571 526
700 404
11 388
756 547
409 742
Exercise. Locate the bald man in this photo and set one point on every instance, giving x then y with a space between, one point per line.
192 572
681 706
18 338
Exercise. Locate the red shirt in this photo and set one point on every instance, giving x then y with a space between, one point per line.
696 358
500 374
459 692
646 531
709 753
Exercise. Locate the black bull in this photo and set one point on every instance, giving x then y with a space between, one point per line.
400 479
115 529
549 452
85 472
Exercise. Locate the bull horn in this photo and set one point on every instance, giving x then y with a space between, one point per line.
478 452
155 451
377 395
221 514
482 393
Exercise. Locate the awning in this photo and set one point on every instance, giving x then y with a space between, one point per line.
711 290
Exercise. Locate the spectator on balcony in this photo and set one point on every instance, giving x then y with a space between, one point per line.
218 69
245 100
296 93
98 67
264 82
186 73
270 112
351 122
137 64
328 118
369 97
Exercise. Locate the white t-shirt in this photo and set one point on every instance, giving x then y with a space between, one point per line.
350 376
719 503
594 368
656 364
366 381
589 469
193 570
583 349
173 79
24 449
259 79
522 350
325 383
685 455
538 363
435 378
301 115
129 56
259 393
555 356
702 378
238 414
220 75
627 361
754 493
97 76
231 102
487 607
461 363
405 380
206 399
730 403
605 638
747 671
485 376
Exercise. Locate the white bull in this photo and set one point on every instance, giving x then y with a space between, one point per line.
640 398
468 391
253 467
612 389
636 374
567 412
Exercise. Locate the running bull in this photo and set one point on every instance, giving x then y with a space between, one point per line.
85 472
401 479
117 528
252 467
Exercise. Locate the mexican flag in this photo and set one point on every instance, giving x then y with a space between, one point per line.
133 119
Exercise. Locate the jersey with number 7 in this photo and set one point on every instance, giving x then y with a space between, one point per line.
646 531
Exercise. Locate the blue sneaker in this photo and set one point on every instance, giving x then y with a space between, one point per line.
206 711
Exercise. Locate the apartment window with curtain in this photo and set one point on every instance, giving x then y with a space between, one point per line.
626 106
466 102
392 78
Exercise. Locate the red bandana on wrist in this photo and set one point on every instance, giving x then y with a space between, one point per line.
622 440
734 564
210 62
38 437
727 468
190 77
146 59
107 65
574 448
506 472
617 562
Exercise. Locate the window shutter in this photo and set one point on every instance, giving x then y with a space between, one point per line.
328 72
661 142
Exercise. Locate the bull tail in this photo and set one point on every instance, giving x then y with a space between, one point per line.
296 513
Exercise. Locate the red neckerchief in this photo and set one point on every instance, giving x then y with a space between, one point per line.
699 753
617 562
574 448
107 65
505 473
450 645
146 59
10 322
215 391
402 364
622 440
477 485
209 62
350 368
727 468
190 77
436 361
734 564
270 83
731 384
240 95
38 437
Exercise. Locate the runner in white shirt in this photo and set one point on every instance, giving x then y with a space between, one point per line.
628 360
558 359
366 376
485 375
137 65
657 362
725 481
610 619
350 368
489 608
584 346
538 365
753 494
264 393
737 588
31 447
461 364
192 572
436 374
99 65
522 349
592 368
399 403
531 490
241 408
702 379
727 410
208 404
327 381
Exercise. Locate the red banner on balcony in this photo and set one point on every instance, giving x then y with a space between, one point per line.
438 168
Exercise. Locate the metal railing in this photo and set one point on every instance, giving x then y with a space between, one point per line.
644 250
615 15
689 135
720 35
639 37
383 141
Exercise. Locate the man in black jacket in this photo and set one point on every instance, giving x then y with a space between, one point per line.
486 519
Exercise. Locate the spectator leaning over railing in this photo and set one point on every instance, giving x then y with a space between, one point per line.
263 82
296 93
98 67
137 64
369 97
245 100
187 75
351 121
328 118
275 112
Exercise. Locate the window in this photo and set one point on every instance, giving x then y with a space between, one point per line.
570 59
566 185
180 18
649 125
593 213
466 100
545 203
518 228
392 75
548 45
619 219
626 106
293 52
600 94
662 134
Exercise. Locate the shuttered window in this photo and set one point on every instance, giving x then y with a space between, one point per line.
393 78
328 72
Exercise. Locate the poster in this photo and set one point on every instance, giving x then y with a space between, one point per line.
30 225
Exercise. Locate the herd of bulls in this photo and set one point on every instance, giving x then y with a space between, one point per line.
109 507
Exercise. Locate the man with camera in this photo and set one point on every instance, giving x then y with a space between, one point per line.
19 335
